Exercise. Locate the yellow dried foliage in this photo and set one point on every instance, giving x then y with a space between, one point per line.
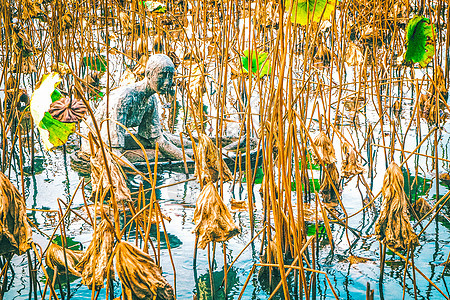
350 165
141 278
30 8
357 259
54 258
421 207
212 218
328 180
353 55
325 150
15 232
99 177
124 20
93 265
392 226
208 161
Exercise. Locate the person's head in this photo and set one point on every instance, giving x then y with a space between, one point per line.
159 72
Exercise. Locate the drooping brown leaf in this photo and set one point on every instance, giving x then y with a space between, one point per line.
207 162
324 148
99 177
421 207
392 226
30 8
353 55
350 165
54 258
68 110
212 218
328 180
15 232
141 278
124 20
93 265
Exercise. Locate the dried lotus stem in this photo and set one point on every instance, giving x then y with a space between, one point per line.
141 278
350 165
54 259
392 226
325 150
330 184
15 232
207 162
212 218
93 264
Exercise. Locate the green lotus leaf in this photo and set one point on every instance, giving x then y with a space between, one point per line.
306 11
53 132
96 62
258 59
420 41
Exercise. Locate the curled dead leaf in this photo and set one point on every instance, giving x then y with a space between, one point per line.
421 207
68 110
124 20
350 165
141 278
353 55
54 258
392 226
357 259
238 205
212 218
93 265
208 163
325 150
15 232
329 180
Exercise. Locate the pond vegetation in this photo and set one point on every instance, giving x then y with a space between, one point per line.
315 147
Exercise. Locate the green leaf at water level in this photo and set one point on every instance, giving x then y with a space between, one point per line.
420 40
95 63
258 177
307 11
313 185
311 229
70 243
419 186
258 59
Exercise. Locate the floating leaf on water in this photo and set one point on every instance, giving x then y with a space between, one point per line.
445 178
54 258
141 278
325 150
259 59
93 265
238 204
307 11
15 232
357 259
420 41
392 226
68 110
207 162
212 218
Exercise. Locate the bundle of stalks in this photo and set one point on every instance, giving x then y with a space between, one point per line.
141 278
212 218
56 260
208 163
350 165
330 184
15 232
437 92
392 226
93 264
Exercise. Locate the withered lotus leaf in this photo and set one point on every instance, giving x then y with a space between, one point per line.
324 148
392 226
421 207
67 110
141 278
93 265
328 181
15 232
99 177
212 218
54 258
350 165
207 162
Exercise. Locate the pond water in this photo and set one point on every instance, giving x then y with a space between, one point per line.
56 179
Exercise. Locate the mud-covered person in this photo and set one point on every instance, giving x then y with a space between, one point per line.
135 105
